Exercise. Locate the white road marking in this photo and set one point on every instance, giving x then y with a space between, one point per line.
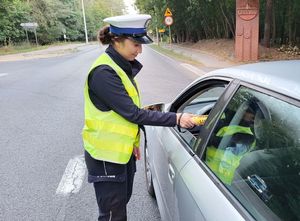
72 179
193 69
3 74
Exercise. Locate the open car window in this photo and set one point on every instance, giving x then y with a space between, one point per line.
254 151
200 103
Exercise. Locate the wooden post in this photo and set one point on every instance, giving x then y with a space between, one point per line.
27 36
157 38
170 34
36 41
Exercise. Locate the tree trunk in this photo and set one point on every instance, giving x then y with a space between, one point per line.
295 34
226 19
183 36
290 19
273 25
180 37
233 22
225 28
198 35
267 30
208 31
217 30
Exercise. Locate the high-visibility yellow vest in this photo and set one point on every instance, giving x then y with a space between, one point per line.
107 135
223 162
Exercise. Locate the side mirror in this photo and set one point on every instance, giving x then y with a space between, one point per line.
155 107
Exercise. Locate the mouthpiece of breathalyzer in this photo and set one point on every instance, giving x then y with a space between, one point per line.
200 119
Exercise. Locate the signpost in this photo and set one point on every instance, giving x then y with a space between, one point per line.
161 31
169 21
30 27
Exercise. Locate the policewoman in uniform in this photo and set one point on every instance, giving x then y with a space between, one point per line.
113 115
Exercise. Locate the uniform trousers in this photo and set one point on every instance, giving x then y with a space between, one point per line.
113 186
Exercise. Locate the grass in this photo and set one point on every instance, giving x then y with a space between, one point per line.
25 47
14 49
175 55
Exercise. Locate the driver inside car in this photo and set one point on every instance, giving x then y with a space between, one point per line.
232 143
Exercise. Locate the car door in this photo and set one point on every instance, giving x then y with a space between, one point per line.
247 167
175 146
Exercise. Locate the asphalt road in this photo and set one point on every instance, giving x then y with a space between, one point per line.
40 132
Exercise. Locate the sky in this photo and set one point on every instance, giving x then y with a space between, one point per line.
129 4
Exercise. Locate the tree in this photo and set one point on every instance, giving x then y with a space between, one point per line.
12 14
206 19
55 18
193 19
268 19
96 11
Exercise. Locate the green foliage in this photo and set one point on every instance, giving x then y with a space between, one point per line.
206 19
55 18
193 19
12 13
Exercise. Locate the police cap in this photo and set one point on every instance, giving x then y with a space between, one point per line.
133 26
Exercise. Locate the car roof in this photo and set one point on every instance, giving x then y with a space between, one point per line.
280 76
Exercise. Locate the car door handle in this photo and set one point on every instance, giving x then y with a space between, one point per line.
171 173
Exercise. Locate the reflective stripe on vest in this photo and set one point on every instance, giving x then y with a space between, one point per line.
223 162
230 130
107 135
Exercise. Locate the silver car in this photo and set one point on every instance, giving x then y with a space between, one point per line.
244 162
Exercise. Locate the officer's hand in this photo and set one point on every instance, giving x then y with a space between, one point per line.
137 153
185 120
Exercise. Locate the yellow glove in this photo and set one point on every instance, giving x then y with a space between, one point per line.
200 119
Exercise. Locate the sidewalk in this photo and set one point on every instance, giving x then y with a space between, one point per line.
52 51
206 60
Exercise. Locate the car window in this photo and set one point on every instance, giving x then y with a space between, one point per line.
199 103
254 150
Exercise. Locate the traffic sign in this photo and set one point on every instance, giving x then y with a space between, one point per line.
31 26
168 20
168 13
28 26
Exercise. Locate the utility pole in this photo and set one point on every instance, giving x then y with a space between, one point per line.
170 34
156 28
84 21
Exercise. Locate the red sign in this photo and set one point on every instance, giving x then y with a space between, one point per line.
168 20
247 12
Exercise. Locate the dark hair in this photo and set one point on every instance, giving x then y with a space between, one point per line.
106 37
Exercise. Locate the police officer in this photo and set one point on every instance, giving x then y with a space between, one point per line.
113 114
